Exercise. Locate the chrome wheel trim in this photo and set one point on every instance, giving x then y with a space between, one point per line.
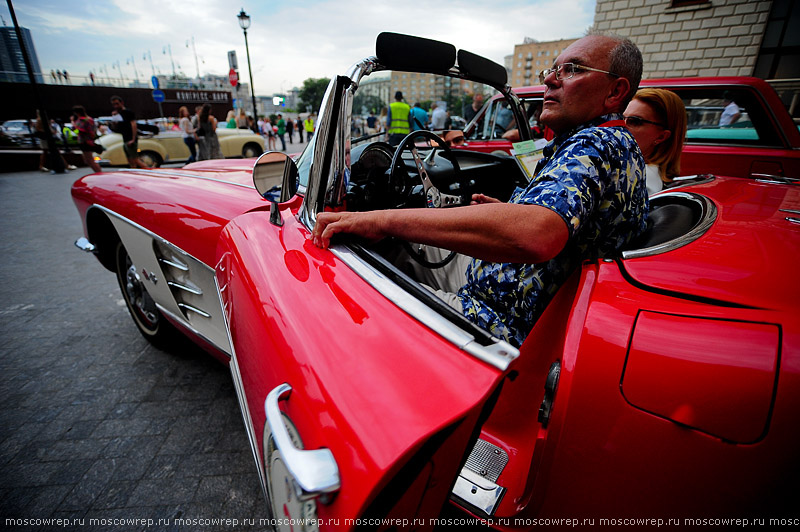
138 298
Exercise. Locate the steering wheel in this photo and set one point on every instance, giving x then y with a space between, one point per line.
398 180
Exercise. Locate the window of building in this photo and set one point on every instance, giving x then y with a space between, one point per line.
683 3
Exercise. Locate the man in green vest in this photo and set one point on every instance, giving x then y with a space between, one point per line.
308 125
397 120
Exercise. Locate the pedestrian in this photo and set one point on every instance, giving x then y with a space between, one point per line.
207 128
282 131
230 120
397 120
53 75
87 136
308 125
66 77
91 77
269 131
299 127
241 120
418 117
438 117
290 129
188 132
48 145
60 76
125 121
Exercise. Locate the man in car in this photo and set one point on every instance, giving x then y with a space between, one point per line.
587 199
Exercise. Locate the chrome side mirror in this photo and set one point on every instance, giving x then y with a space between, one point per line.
275 176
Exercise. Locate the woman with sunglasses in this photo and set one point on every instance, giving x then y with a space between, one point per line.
657 120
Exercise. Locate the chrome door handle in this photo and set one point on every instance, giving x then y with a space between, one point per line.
315 472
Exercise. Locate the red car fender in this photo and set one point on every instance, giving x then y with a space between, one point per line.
369 382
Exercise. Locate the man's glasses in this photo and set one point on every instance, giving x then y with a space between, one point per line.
638 121
567 71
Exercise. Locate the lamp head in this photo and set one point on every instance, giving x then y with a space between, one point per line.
244 19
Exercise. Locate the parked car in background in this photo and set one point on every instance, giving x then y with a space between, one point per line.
764 141
168 146
18 132
662 383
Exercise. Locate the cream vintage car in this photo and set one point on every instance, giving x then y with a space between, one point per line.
168 146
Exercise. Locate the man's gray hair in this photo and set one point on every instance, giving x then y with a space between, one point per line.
625 60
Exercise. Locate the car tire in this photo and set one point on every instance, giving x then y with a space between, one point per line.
148 319
150 159
251 149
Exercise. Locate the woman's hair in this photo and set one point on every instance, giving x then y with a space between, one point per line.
79 110
231 114
182 110
205 112
671 112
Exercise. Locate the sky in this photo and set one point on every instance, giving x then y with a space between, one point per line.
289 41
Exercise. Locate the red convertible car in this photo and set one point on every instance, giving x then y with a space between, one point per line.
661 384
764 141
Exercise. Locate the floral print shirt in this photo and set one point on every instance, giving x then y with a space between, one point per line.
594 178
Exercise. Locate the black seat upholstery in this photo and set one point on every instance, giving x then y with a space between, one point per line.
666 222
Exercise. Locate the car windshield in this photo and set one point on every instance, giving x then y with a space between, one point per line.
439 102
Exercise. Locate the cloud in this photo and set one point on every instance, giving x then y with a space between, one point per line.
288 41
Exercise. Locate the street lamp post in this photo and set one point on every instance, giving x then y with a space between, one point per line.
244 23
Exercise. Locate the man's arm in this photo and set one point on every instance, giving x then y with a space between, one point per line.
134 131
499 232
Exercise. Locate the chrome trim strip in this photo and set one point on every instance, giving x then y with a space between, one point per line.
184 323
238 385
194 309
186 288
174 263
314 471
707 218
477 492
176 173
790 211
776 179
84 245
793 219
499 355
690 180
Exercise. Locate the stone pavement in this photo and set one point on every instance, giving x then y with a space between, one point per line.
95 423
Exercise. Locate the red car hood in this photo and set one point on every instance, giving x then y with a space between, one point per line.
747 257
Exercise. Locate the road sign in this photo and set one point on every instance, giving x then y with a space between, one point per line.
158 95
233 77
232 62
154 80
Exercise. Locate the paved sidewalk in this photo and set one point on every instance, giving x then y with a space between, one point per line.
95 423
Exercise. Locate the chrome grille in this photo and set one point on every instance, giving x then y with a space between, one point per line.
487 460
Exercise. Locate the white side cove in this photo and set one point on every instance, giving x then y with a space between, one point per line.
182 287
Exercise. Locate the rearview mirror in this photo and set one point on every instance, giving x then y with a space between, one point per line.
275 176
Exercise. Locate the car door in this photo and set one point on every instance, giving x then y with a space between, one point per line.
361 400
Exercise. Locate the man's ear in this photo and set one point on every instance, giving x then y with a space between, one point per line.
617 94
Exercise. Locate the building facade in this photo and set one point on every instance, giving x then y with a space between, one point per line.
531 57
706 37
12 63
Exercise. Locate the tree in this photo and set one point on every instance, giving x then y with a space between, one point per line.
312 93
367 103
